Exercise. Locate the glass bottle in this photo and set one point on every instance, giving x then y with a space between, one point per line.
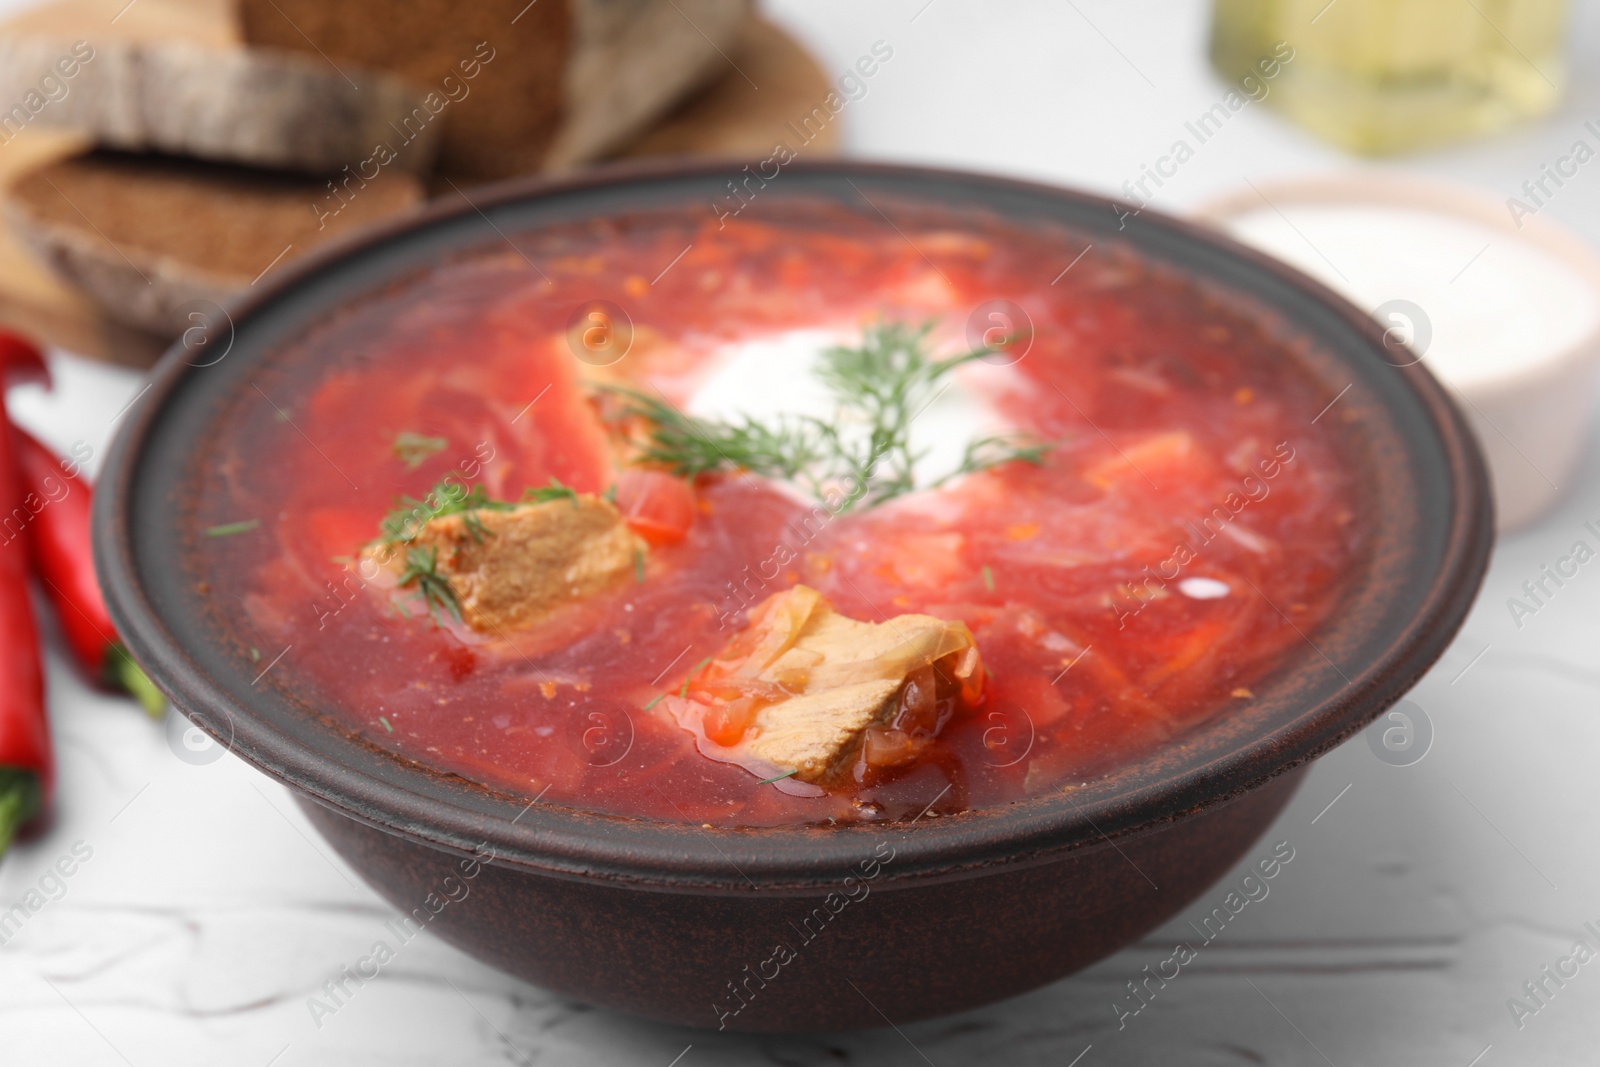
1386 76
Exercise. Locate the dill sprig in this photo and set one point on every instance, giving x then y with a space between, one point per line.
880 386
690 446
690 676
450 497
422 568
779 777
232 529
410 514
544 494
413 449
447 497
988 452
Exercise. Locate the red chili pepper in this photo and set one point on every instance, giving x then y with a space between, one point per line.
59 546
27 767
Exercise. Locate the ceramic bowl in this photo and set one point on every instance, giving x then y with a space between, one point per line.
678 922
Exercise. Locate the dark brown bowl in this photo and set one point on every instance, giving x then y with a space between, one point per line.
681 923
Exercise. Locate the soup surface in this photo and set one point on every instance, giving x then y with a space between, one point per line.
1150 517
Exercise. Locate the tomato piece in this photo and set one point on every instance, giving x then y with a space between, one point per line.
659 507
726 723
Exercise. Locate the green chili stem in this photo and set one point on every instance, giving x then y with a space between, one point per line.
19 802
126 673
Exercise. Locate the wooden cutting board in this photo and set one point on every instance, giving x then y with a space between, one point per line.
771 80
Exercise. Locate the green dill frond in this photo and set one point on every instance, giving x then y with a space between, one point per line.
690 676
450 497
886 382
232 529
422 569
880 387
987 452
447 497
554 491
475 527
881 372
410 514
689 446
413 449
458 498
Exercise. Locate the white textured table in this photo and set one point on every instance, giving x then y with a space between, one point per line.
207 911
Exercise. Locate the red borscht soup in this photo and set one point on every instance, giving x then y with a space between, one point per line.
807 520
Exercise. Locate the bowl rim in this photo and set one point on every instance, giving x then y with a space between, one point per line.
574 844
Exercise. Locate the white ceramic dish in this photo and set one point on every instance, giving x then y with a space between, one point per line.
1531 409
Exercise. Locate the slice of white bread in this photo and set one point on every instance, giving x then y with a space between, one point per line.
154 239
174 76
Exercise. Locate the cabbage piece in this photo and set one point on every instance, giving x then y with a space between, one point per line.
802 690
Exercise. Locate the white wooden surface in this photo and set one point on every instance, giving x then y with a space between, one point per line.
1416 904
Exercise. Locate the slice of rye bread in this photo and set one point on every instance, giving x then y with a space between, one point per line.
153 239
561 82
173 76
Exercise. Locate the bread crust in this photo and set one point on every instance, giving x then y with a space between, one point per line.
263 107
153 240
504 61
635 60
570 81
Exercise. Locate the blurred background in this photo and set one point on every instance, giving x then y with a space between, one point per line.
1434 160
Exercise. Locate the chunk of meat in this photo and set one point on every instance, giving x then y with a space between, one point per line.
804 691
819 734
509 568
